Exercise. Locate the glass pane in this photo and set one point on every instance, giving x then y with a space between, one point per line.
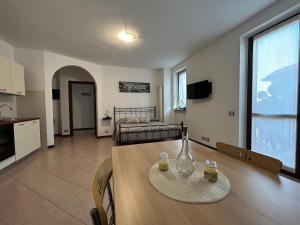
275 71
274 88
276 138
182 89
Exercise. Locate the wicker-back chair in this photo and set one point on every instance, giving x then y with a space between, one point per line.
100 184
265 162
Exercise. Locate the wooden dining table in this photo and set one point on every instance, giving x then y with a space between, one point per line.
256 196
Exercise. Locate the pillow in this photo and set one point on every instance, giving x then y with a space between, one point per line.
122 120
144 120
132 120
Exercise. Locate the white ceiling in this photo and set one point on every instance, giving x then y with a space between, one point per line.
168 30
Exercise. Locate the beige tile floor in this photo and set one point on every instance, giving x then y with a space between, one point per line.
53 186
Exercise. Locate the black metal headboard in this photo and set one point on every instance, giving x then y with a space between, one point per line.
149 112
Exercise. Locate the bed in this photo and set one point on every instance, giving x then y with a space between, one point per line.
139 125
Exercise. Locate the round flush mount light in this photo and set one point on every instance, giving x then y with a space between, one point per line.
127 36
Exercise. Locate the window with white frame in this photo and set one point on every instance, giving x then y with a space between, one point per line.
181 100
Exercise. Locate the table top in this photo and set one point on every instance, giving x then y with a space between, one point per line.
256 197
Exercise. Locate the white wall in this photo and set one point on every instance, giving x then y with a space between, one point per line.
56 117
112 97
33 62
83 106
7 50
56 108
54 62
159 101
180 116
65 75
167 94
11 102
221 62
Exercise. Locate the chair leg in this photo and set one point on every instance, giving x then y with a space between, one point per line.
95 216
111 202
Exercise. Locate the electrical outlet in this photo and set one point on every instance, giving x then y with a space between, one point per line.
207 139
203 138
231 113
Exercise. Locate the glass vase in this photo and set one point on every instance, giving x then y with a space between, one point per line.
184 164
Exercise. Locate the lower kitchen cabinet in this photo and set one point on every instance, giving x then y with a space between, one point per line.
27 137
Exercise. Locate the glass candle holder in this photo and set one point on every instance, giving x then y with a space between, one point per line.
210 171
163 162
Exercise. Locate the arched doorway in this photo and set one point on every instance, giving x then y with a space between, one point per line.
74 102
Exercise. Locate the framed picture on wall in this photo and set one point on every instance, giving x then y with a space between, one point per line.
134 87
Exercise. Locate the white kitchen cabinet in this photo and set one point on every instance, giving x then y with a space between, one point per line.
12 79
17 79
27 137
5 77
35 134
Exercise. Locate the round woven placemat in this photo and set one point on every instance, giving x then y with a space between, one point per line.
193 189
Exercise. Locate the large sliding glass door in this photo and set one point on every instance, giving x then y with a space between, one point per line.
273 110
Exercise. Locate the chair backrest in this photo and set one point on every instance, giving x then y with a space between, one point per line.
257 159
101 182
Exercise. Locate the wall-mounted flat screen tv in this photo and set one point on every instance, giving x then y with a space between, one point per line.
199 90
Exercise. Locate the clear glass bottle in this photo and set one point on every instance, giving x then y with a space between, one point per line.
184 164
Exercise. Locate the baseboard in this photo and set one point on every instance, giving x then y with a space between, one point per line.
90 128
208 146
104 136
17 162
6 162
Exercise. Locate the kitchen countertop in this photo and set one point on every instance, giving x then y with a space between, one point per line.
17 120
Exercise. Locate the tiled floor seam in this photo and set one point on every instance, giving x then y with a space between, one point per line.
70 182
75 165
20 182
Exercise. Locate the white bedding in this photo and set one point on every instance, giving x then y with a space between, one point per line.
136 127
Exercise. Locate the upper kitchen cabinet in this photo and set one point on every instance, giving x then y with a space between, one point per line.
17 79
12 79
5 77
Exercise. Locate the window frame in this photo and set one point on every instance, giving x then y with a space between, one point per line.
249 113
177 100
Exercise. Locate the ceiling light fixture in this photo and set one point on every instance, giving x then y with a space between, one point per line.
127 36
